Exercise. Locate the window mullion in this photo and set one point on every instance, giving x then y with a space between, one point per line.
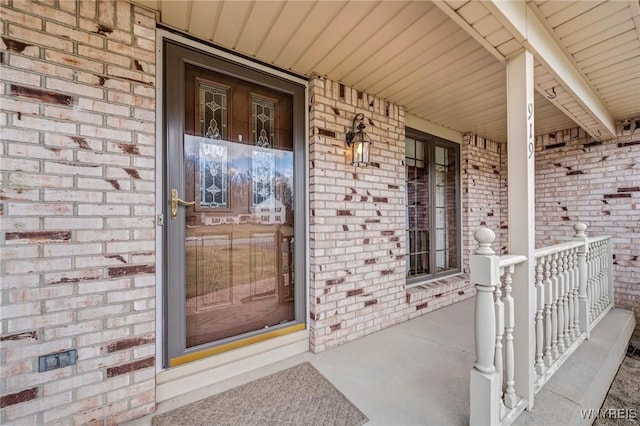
432 208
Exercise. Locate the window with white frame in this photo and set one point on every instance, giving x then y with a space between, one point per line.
433 208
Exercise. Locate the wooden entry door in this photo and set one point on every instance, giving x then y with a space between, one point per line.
232 231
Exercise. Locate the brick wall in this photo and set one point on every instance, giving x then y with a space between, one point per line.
579 179
484 192
357 218
78 142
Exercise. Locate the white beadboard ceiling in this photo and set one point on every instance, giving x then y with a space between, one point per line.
443 61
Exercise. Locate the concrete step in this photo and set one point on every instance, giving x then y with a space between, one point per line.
582 383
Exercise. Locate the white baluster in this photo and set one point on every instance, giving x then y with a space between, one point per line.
539 317
572 295
576 293
583 294
568 335
605 273
560 301
601 274
510 398
609 261
554 306
548 322
565 300
596 279
590 282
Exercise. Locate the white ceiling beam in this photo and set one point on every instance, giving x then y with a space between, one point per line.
453 15
432 128
635 13
525 26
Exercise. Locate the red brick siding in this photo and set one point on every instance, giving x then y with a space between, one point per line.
484 192
358 221
579 179
77 112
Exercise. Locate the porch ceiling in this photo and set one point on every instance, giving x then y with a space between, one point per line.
444 61
602 38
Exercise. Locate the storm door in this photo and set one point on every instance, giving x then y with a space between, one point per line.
234 216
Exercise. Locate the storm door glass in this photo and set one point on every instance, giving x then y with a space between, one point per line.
238 235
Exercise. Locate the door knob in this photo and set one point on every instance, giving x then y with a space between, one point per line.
174 203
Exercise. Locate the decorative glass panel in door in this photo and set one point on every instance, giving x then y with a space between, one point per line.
231 237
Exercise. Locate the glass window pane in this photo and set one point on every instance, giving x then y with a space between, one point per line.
441 239
418 208
420 150
441 218
440 156
440 260
424 158
410 151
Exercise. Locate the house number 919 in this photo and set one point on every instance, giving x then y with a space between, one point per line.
530 123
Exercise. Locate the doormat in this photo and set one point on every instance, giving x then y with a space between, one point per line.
299 395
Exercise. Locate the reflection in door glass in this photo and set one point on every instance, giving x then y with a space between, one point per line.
212 175
238 239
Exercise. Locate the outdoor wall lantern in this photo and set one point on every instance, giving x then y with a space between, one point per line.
359 142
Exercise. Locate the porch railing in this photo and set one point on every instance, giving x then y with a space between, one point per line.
573 290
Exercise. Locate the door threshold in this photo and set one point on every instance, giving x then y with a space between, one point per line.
205 353
183 379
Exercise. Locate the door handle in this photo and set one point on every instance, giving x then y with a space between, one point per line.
174 203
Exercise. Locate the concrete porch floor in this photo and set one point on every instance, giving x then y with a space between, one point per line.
417 373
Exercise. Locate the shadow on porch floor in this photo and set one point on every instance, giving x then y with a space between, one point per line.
417 373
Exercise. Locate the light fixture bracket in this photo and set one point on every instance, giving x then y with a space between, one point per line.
356 128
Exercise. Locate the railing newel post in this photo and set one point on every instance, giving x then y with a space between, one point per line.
500 329
485 382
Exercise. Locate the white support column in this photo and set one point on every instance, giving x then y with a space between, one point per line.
521 178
